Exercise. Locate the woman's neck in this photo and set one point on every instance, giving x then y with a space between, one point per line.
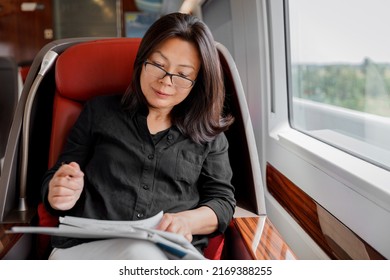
158 121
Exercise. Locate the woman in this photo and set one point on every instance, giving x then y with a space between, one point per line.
160 147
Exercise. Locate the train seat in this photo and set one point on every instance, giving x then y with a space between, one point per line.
57 87
82 72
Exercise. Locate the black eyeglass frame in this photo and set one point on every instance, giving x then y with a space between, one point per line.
169 74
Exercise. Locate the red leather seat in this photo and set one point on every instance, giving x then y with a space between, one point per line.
82 71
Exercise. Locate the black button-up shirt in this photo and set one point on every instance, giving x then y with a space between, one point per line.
130 174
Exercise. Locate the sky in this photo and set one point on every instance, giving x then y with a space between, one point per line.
343 31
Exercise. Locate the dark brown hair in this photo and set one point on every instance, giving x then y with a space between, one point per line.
200 115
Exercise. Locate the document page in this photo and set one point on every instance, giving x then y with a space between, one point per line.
86 223
175 245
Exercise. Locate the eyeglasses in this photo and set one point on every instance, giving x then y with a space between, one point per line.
160 73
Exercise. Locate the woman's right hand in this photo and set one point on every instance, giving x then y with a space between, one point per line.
66 186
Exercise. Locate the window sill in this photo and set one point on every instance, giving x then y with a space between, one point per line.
361 176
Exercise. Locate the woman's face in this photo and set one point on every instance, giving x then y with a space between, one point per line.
177 57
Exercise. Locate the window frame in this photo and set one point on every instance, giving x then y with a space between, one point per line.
330 176
346 119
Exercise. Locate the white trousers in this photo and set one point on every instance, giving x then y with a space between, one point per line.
111 249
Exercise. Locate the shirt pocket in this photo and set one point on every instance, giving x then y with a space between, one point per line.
188 167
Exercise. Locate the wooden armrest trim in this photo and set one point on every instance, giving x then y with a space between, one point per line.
261 239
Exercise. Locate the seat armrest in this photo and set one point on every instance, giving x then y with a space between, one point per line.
256 238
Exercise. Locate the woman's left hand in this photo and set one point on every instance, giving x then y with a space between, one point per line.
176 223
201 220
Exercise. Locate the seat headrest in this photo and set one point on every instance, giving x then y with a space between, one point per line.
95 68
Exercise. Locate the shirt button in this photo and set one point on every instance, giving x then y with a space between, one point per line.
145 187
170 136
151 156
140 215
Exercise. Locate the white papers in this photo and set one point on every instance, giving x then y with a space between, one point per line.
175 245
109 225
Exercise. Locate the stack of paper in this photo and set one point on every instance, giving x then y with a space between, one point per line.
175 245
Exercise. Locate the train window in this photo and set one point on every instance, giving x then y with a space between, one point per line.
339 74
